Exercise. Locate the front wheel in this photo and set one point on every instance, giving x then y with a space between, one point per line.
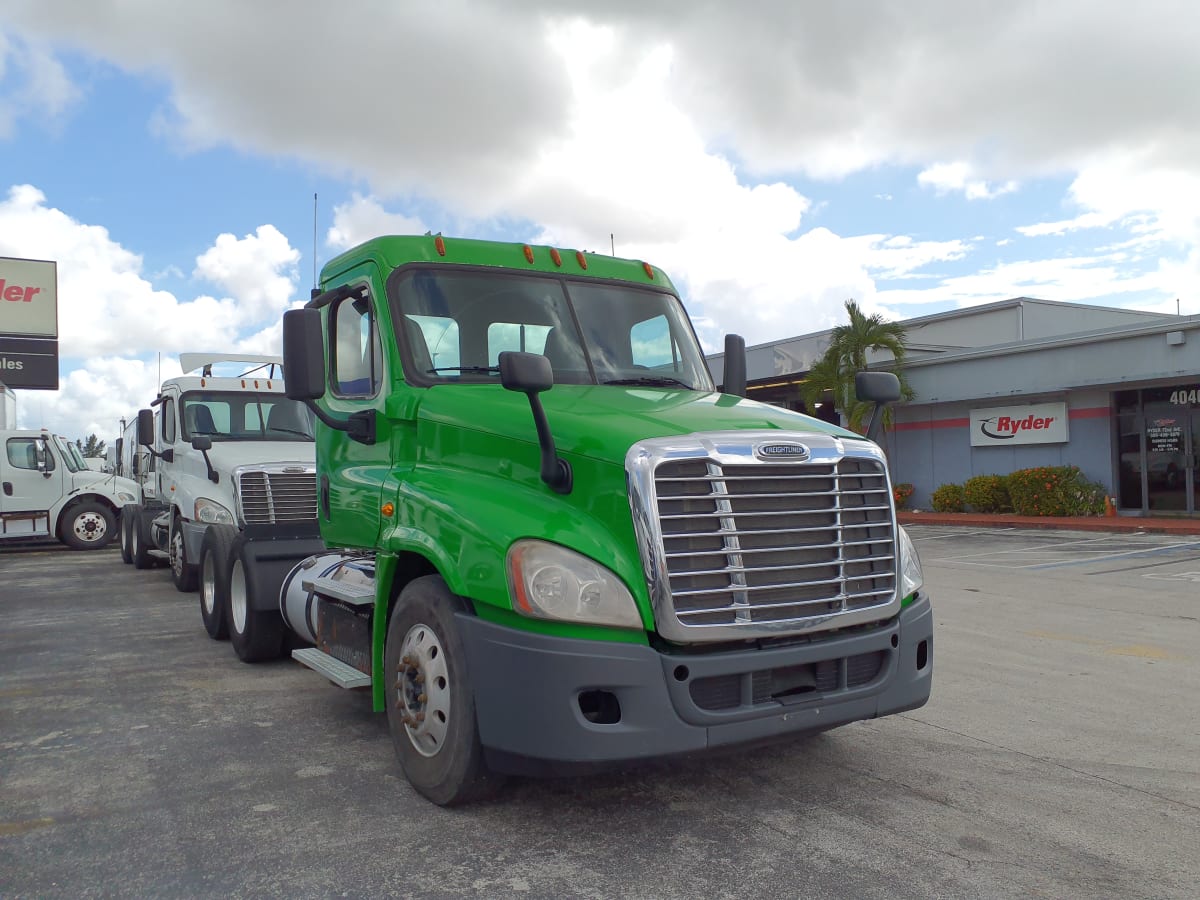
87 525
216 554
430 701
256 635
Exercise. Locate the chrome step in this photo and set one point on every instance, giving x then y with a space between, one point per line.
159 554
334 669
346 591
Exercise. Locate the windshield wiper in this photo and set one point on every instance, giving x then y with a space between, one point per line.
474 370
651 381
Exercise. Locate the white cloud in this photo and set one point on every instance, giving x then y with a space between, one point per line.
111 317
363 218
671 128
34 87
946 178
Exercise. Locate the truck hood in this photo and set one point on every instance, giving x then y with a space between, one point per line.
604 421
228 455
110 485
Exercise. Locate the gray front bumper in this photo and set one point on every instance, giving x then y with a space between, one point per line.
527 689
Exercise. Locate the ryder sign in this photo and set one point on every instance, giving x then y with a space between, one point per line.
1039 423
28 323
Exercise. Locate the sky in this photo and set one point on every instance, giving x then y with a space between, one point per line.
775 158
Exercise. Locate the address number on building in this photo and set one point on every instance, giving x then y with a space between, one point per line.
1185 396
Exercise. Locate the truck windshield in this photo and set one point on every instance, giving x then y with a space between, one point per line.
455 323
235 416
70 454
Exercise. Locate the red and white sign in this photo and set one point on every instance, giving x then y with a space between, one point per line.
1038 423
28 298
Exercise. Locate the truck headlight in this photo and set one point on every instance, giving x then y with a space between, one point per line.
210 512
551 582
127 497
911 577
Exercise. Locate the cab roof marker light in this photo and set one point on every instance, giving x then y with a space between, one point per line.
556 257
439 244
528 254
243 382
649 270
581 259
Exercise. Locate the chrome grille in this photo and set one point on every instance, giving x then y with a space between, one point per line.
270 498
742 547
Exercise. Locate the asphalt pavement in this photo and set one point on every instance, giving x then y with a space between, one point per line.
1058 757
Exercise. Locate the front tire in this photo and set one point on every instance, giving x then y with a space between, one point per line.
139 538
183 573
87 525
123 528
430 701
216 554
256 635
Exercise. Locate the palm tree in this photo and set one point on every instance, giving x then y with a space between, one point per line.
846 354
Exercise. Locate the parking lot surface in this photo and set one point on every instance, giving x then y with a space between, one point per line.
1058 757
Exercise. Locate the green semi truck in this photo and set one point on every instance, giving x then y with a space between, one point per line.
555 546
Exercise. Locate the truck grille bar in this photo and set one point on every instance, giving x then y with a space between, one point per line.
741 547
272 497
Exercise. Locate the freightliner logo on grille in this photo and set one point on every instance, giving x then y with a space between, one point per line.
781 451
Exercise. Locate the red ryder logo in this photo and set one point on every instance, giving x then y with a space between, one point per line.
1005 427
17 293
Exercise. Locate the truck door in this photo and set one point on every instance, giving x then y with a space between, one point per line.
350 475
31 477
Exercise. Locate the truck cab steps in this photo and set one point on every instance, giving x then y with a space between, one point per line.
346 591
334 669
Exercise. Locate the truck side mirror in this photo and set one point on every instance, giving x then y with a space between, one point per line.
41 454
877 387
881 388
531 373
203 443
145 427
735 365
303 354
304 373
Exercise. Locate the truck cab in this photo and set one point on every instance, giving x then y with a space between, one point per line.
222 447
555 545
47 490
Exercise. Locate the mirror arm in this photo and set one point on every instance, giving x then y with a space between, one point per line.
360 426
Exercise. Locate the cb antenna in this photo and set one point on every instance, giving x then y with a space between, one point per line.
314 240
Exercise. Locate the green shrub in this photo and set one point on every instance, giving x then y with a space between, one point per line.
987 494
948 498
1055 491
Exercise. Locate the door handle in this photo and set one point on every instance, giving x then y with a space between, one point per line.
8 489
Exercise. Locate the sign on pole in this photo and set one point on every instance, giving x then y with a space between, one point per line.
29 323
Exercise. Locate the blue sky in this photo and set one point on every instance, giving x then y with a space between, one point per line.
775 161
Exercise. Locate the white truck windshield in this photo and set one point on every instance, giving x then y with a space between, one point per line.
235 416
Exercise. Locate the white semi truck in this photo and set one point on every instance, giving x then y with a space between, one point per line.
48 491
228 474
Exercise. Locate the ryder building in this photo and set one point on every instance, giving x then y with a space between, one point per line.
1028 382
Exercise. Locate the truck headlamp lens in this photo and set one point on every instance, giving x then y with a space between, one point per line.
210 512
127 497
911 576
551 582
